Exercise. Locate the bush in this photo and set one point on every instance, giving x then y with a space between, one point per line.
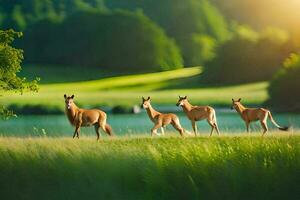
35 109
118 41
248 57
285 86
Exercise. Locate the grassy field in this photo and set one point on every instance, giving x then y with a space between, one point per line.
227 167
163 87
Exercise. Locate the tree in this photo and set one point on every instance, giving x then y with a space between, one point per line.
182 20
285 86
248 57
10 64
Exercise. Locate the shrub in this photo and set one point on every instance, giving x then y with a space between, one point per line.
36 109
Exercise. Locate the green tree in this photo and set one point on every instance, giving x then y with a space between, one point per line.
10 64
249 56
182 20
285 86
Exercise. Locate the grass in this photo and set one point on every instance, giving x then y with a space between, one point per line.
163 87
227 167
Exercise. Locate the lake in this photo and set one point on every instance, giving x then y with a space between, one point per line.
130 124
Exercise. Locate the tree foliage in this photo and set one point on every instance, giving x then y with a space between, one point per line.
118 40
249 56
182 20
19 14
10 64
285 85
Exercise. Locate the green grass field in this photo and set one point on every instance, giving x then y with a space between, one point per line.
163 87
227 167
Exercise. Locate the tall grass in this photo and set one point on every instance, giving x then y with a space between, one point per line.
144 168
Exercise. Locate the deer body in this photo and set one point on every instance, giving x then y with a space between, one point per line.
161 120
254 114
82 117
197 113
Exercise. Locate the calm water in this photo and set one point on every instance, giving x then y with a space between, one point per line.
128 124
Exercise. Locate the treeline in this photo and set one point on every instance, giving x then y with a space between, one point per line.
118 41
195 27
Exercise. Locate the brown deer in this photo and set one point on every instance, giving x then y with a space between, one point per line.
197 113
161 120
81 117
254 114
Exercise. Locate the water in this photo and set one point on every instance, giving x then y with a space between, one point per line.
129 124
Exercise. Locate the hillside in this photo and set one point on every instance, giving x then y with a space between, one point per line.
163 87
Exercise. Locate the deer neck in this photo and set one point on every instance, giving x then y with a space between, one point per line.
187 107
240 109
72 112
151 112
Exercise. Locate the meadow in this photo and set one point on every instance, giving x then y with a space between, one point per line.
163 87
139 167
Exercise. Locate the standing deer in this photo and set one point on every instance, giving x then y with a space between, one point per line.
161 120
81 117
197 113
254 114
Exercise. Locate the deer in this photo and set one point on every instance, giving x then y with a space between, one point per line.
161 120
255 114
197 113
79 117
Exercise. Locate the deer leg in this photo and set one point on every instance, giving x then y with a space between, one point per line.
97 127
217 128
248 126
178 127
162 130
76 133
212 126
78 125
194 125
154 129
264 126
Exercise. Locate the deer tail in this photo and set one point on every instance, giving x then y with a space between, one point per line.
108 129
282 128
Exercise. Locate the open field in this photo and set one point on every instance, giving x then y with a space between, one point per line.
163 87
227 167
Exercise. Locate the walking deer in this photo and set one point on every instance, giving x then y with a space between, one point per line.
161 120
81 117
197 113
254 114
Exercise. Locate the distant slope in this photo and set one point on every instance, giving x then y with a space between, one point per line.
163 87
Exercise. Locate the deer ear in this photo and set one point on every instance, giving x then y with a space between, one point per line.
148 98
185 97
179 97
65 96
232 100
72 96
239 100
